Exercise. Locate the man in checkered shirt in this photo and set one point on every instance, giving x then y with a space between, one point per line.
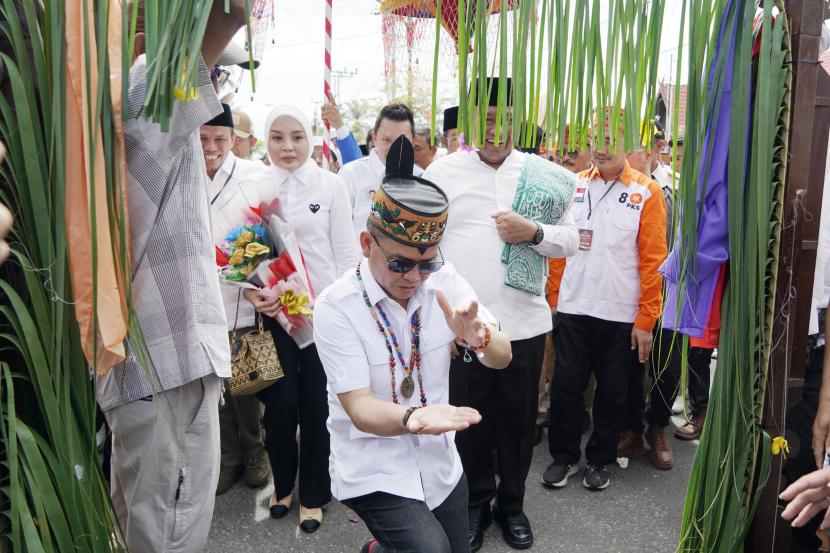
164 417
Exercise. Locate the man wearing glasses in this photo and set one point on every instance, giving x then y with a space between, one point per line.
384 332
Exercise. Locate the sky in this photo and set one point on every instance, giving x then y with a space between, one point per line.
292 67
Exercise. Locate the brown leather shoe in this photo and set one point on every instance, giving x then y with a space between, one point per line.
631 445
661 454
692 429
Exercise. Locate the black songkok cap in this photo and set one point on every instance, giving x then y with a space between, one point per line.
224 119
492 83
450 118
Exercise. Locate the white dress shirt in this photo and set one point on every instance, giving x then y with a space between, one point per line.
662 176
232 169
362 177
471 241
232 193
315 203
354 355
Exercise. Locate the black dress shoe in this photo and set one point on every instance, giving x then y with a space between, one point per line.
514 529
480 520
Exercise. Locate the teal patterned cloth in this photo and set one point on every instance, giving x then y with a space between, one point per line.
544 194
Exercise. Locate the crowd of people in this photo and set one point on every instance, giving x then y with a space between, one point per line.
467 301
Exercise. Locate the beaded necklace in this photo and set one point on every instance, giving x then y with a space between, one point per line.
408 384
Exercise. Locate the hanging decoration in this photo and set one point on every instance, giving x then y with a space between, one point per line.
262 30
725 263
409 28
572 64
174 32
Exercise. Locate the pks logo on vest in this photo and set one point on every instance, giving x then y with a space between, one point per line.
631 201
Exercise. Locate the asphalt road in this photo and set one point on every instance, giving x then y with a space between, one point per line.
639 512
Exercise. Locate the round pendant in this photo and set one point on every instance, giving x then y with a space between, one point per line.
407 387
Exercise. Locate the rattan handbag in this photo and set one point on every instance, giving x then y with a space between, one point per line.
254 361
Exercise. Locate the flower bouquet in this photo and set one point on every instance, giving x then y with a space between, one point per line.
286 278
239 255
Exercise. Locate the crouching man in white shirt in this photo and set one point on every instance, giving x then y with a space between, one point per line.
384 332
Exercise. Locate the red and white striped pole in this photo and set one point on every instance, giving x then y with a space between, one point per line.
327 80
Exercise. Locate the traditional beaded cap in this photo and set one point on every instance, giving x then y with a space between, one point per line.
408 209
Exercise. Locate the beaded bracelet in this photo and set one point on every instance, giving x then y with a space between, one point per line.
486 342
477 349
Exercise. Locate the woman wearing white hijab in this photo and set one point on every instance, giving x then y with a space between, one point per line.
316 205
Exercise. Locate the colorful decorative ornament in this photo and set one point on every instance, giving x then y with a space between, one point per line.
407 388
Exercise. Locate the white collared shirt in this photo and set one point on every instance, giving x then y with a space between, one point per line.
662 176
354 355
362 177
232 192
315 203
471 241
232 169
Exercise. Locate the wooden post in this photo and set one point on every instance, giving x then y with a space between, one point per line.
809 128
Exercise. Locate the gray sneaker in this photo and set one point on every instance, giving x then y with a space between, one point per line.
595 477
556 475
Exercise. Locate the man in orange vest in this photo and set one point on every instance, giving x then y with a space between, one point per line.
609 300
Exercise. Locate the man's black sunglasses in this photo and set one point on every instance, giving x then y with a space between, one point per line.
402 266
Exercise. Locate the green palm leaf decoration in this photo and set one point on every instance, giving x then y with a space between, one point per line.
566 59
55 494
732 462
59 59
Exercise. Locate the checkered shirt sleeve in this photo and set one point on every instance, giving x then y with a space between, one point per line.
175 288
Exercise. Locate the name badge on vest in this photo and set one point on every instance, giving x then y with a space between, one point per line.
579 196
586 236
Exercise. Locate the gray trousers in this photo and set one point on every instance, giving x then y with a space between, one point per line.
239 429
165 466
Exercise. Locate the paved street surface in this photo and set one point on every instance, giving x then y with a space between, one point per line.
639 512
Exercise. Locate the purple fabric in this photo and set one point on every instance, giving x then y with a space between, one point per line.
713 230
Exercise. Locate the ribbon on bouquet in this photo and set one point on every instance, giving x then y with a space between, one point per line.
294 304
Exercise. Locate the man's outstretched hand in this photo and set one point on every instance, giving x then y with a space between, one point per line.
438 419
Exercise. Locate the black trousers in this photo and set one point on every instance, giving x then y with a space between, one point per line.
584 345
298 398
664 368
507 400
403 525
700 360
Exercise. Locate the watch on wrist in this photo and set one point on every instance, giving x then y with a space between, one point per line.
539 236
